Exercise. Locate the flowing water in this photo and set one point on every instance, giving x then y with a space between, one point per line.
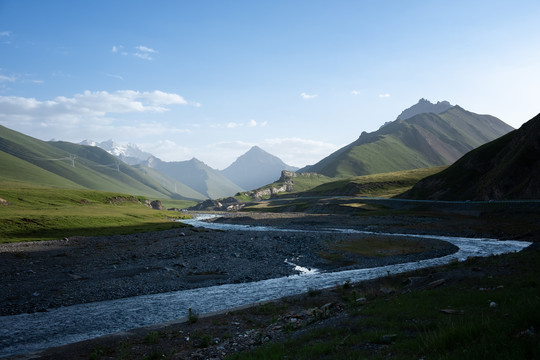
31 332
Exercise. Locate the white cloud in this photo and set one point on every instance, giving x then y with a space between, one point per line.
88 107
5 33
144 52
167 150
298 151
115 76
355 92
7 78
145 49
383 96
233 124
308 96
144 56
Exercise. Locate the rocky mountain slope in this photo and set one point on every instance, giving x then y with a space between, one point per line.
130 154
256 168
421 141
423 107
506 168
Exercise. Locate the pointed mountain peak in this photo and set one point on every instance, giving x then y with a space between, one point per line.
424 106
255 148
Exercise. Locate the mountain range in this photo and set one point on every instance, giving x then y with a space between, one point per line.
130 154
506 168
425 139
251 170
256 168
423 135
197 175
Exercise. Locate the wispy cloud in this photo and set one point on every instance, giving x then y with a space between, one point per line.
355 92
5 33
384 96
7 78
308 96
141 51
144 52
23 78
167 150
145 49
233 124
298 151
115 76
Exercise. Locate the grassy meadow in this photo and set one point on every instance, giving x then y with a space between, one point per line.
34 213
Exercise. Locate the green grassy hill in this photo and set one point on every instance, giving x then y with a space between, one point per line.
422 141
377 185
61 164
32 213
506 168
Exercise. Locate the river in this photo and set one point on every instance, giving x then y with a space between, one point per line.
32 332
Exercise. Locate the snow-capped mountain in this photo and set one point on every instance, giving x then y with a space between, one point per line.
129 153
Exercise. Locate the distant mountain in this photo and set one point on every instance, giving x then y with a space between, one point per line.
28 160
130 154
421 141
423 107
196 175
256 168
506 168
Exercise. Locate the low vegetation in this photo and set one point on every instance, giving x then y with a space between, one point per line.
377 185
482 308
30 213
492 316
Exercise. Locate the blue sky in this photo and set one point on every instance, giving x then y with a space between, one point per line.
300 79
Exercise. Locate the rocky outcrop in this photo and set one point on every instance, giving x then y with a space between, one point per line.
228 204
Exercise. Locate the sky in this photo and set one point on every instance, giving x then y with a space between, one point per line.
300 79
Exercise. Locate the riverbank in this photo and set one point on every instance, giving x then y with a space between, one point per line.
482 307
38 276
150 262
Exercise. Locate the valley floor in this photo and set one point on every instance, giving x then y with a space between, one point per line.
38 276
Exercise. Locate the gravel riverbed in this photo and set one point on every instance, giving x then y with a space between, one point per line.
42 275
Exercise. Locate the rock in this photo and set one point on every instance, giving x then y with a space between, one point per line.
452 311
156 205
435 283
4 202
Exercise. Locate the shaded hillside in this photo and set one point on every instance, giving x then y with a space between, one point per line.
507 168
256 168
424 140
197 175
62 164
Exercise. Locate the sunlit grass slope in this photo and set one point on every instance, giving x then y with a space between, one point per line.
41 213
67 165
377 185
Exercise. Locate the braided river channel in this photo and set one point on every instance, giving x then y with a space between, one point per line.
27 333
